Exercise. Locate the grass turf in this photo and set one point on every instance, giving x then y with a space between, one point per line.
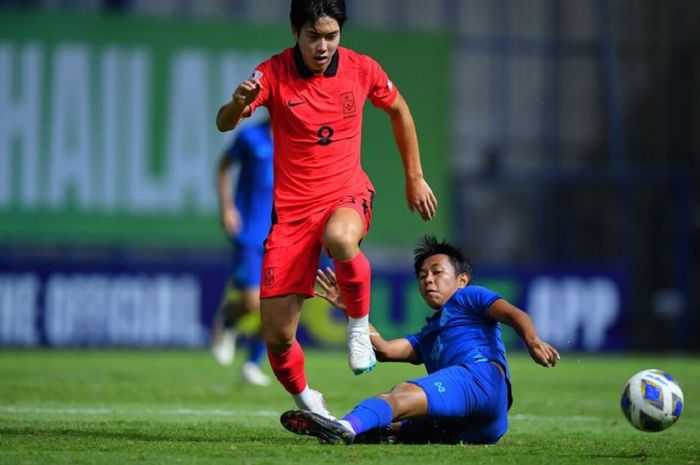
95 406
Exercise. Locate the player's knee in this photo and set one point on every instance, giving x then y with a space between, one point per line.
400 405
403 401
342 240
276 346
403 388
278 339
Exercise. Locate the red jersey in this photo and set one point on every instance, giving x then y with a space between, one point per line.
317 126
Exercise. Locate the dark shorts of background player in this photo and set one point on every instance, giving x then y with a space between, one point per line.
292 249
246 265
467 403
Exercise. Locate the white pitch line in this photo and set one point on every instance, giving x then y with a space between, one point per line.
127 411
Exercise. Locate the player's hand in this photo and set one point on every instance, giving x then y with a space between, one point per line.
231 221
420 197
543 353
326 280
246 93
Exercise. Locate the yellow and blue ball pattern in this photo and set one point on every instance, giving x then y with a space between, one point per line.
652 400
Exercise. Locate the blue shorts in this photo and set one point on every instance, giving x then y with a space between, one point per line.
247 265
466 403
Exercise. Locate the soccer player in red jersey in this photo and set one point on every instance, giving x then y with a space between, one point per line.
315 93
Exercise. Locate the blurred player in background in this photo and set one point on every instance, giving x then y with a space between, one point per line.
246 219
466 395
315 93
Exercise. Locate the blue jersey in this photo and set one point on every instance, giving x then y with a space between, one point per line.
253 150
461 332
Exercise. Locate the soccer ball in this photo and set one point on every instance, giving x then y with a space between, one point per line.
652 400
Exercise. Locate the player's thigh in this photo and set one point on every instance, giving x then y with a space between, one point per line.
349 219
407 400
343 228
489 420
459 391
465 404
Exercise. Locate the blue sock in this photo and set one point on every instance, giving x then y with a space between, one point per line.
369 414
257 350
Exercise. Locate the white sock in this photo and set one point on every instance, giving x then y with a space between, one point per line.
359 323
304 398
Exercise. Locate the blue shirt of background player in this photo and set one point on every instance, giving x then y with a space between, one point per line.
252 149
461 333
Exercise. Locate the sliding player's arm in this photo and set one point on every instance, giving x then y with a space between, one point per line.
507 313
395 350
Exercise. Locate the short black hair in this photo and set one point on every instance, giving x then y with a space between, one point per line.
428 246
308 11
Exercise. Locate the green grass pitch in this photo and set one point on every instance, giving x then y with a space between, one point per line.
179 407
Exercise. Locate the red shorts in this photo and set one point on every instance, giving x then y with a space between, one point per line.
292 250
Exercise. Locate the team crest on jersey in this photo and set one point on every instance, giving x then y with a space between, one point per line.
347 102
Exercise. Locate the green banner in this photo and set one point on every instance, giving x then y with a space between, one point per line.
107 126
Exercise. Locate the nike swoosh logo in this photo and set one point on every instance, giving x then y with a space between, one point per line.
291 104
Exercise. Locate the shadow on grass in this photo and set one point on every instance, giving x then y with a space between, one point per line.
119 433
635 457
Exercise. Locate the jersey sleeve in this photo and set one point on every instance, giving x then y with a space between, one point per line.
414 340
264 73
382 92
476 299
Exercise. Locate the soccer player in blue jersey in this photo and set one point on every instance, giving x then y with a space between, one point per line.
246 218
466 395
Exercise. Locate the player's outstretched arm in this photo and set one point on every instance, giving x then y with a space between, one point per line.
231 113
418 193
228 213
507 313
395 350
